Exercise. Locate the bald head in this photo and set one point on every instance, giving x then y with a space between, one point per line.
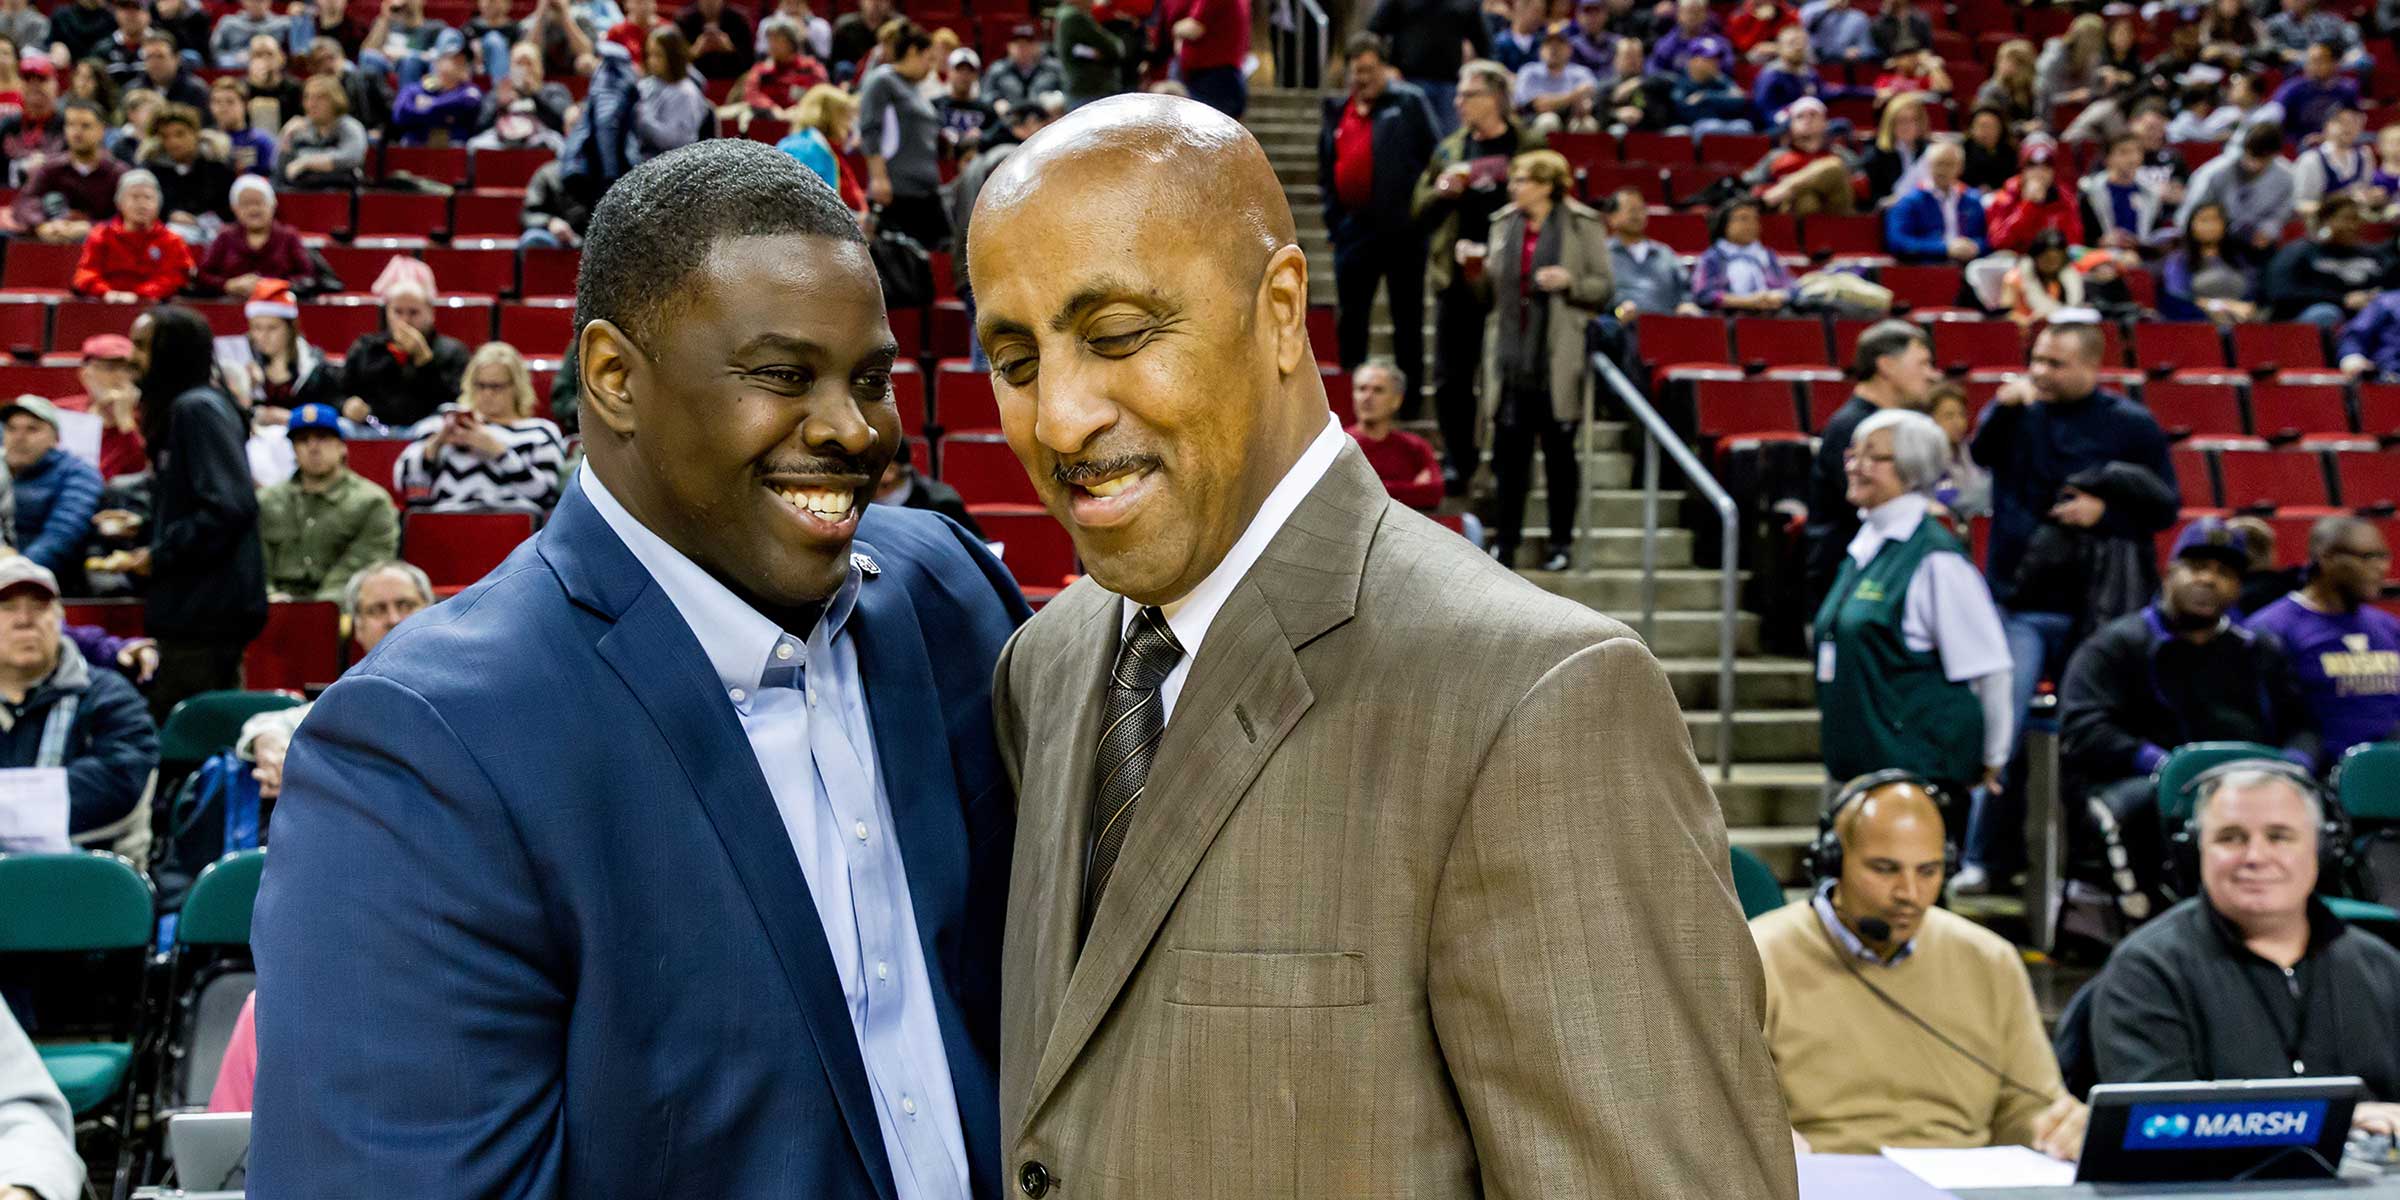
1892 863
1178 163
1145 307
1885 810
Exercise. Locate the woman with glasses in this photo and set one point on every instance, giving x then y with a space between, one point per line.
488 451
1912 665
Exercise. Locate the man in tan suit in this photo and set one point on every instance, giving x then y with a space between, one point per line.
1348 863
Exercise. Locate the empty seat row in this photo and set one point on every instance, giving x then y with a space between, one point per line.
2248 475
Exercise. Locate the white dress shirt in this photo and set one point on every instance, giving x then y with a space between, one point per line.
1189 618
829 790
1949 610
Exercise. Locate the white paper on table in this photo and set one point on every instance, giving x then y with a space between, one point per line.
33 810
79 435
1984 1167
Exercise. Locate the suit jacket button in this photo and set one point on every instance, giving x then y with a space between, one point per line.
1034 1180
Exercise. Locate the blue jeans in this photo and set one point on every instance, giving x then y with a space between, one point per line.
2037 643
1444 99
538 239
1221 88
1708 125
494 51
2325 316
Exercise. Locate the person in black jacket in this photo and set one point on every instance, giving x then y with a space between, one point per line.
208 578
2178 671
62 713
1429 41
2329 277
399 374
1374 144
2254 978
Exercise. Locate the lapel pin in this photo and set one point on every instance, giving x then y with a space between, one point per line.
866 566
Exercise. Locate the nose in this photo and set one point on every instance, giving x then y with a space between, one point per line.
835 424
1070 407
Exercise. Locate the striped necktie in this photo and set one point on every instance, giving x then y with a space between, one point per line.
1135 717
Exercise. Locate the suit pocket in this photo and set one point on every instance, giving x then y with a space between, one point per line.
1238 979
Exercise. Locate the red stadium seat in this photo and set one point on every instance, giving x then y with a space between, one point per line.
1841 237
962 399
224 316
2273 479
1584 151
2266 349
121 618
1323 339
458 548
488 214
1826 397
945 274
50 383
2194 478
402 215
444 165
985 470
1688 182
1684 233
375 457
1917 287
1670 343
1743 148
538 327
80 319
767 130
1035 548
1745 407
508 168
333 325
2164 348
1659 149
1764 342
908 330
550 272
325 213
1338 392
358 266
467 318
2370 479
1978 344
300 648
2202 409
908 396
1607 178
1846 332
1780 232
2290 410
39 266
947 331
475 272
24 325
2379 409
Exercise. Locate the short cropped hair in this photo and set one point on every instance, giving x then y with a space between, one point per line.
1883 340
1365 42
358 582
1920 450
654 230
2091 344
2250 775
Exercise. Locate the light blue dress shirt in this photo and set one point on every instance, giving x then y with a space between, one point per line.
803 708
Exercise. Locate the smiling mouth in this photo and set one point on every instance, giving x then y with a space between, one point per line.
829 504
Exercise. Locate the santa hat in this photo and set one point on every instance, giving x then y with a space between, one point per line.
272 298
404 274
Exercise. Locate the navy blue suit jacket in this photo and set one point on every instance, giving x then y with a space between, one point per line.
532 925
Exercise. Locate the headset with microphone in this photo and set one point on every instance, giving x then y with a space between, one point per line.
1823 858
2334 855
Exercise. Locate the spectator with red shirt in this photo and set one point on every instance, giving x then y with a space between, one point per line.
778 81
1374 143
1212 39
134 257
1753 27
2033 201
633 33
109 390
1808 173
1408 465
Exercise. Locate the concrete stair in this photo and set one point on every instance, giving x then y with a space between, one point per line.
1771 801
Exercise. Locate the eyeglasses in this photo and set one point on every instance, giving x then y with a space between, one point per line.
1853 456
2383 556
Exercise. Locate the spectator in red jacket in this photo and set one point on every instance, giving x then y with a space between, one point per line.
1410 468
1212 38
785 74
134 257
257 246
2033 201
1752 27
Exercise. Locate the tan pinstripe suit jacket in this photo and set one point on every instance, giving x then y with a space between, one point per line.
1426 897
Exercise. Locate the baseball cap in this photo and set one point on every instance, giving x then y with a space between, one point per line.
1558 31
1805 104
2212 538
1024 33
2037 150
320 417
101 346
32 406
19 571
34 62
963 57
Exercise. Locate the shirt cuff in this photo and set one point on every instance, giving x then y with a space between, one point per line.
2148 757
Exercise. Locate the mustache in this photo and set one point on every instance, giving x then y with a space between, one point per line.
1075 474
852 467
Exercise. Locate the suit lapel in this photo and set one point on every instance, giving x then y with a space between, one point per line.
1245 694
1057 858
652 650
928 813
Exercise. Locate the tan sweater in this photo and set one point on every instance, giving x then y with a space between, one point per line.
1858 1076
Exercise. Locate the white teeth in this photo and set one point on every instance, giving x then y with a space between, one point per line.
823 502
1110 487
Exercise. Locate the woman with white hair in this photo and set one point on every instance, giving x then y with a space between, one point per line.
488 451
1912 666
133 257
258 247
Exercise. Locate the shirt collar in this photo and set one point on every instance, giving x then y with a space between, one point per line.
739 641
1894 520
1849 942
1190 617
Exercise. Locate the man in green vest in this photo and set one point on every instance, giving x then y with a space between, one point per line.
322 525
1912 665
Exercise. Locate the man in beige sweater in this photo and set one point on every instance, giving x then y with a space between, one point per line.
1896 1023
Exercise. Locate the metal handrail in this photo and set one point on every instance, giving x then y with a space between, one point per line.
1663 434
1302 36
2044 838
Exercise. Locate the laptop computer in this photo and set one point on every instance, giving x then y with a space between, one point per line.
212 1150
2217 1131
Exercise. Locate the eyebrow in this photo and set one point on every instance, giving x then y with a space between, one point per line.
1100 292
785 345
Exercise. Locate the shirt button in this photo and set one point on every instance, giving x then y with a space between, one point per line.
812 697
738 695
908 1106
861 830
784 650
883 970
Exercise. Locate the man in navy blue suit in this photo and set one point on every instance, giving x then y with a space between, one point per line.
669 859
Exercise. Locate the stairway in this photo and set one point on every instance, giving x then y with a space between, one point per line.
1770 804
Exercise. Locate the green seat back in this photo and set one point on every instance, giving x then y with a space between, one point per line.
61 902
216 912
2189 762
2367 783
87 1073
2365 913
1754 885
210 721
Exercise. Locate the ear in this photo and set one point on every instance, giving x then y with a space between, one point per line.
607 362
1284 296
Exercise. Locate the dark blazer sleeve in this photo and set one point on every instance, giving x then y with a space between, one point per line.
206 440
392 846
105 779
